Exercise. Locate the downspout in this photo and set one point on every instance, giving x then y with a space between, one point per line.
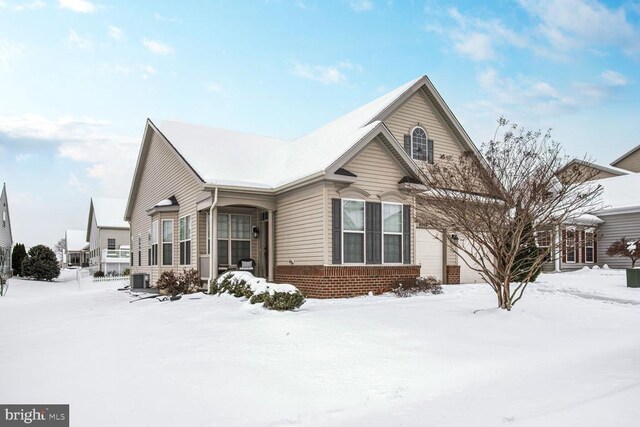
212 242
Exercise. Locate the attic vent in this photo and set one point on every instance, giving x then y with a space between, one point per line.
344 172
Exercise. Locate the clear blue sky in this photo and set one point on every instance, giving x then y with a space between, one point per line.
78 78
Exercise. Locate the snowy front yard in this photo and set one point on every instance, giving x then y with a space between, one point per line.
569 354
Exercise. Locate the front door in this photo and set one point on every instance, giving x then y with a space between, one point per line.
263 253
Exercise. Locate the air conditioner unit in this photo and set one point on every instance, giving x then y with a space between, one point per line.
140 281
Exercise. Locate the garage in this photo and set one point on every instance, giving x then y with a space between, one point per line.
429 253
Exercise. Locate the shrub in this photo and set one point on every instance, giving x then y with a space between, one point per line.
188 281
258 298
213 286
407 288
283 300
98 274
41 264
168 282
126 272
19 254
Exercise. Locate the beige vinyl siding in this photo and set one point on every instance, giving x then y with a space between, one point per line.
614 228
377 172
418 110
585 172
631 162
94 243
164 175
299 227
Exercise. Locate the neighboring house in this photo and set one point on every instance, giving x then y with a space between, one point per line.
588 171
77 248
584 240
328 212
108 235
6 238
629 161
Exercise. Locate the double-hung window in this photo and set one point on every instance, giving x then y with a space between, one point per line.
185 240
234 238
167 242
153 244
392 232
139 250
589 246
111 244
353 231
570 245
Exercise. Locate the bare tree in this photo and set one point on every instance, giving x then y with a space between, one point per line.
485 208
627 249
60 247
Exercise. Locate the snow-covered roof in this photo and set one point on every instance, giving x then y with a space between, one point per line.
585 219
76 240
266 162
110 212
620 193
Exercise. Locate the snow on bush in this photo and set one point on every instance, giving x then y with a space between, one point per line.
404 288
274 296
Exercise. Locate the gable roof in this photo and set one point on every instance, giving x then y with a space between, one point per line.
220 157
608 169
3 196
109 213
75 239
620 194
625 155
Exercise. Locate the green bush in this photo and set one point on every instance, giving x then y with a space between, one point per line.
283 300
19 254
98 274
126 272
258 298
41 264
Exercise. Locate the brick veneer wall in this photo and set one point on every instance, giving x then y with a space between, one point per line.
453 275
334 281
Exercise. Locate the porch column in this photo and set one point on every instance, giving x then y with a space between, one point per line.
557 250
270 245
213 249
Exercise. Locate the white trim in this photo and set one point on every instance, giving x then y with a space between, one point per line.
162 242
189 239
426 142
230 239
401 233
364 229
593 246
575 245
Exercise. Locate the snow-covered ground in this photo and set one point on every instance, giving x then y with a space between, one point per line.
568 354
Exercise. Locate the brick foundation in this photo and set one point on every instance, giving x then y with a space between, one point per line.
334 281
453 275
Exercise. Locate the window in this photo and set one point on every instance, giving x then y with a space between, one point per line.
543 238
419 144
111 244
153 244
234 238
353 231
207 228
167 242
392 232
589 246
570 244
4 219
139 250
185 240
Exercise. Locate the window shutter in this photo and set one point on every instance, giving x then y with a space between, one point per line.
336 231
430 151
583 245
406 234
373 233
564 245
407 144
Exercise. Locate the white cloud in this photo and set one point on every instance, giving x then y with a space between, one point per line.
361 5
79 6
325 74
157 47
476 46
23 157
34 5
214 88
8 51
115 33
613 78
161 18
145 70
77 40
78 185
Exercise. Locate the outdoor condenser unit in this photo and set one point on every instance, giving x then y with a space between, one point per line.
139 281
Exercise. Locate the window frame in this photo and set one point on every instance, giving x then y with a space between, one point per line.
229 239
426 143
400 233
574 245
109 240
170 243
139 250
187 254
153 246
587 246
363 232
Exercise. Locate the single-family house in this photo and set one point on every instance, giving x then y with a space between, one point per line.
76 248
328 212
6 237
588 171
108 235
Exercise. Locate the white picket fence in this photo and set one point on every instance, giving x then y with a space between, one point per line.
110 279
85 280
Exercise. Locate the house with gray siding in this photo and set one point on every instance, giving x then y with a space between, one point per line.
329 212
6 237
108 235
76 252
